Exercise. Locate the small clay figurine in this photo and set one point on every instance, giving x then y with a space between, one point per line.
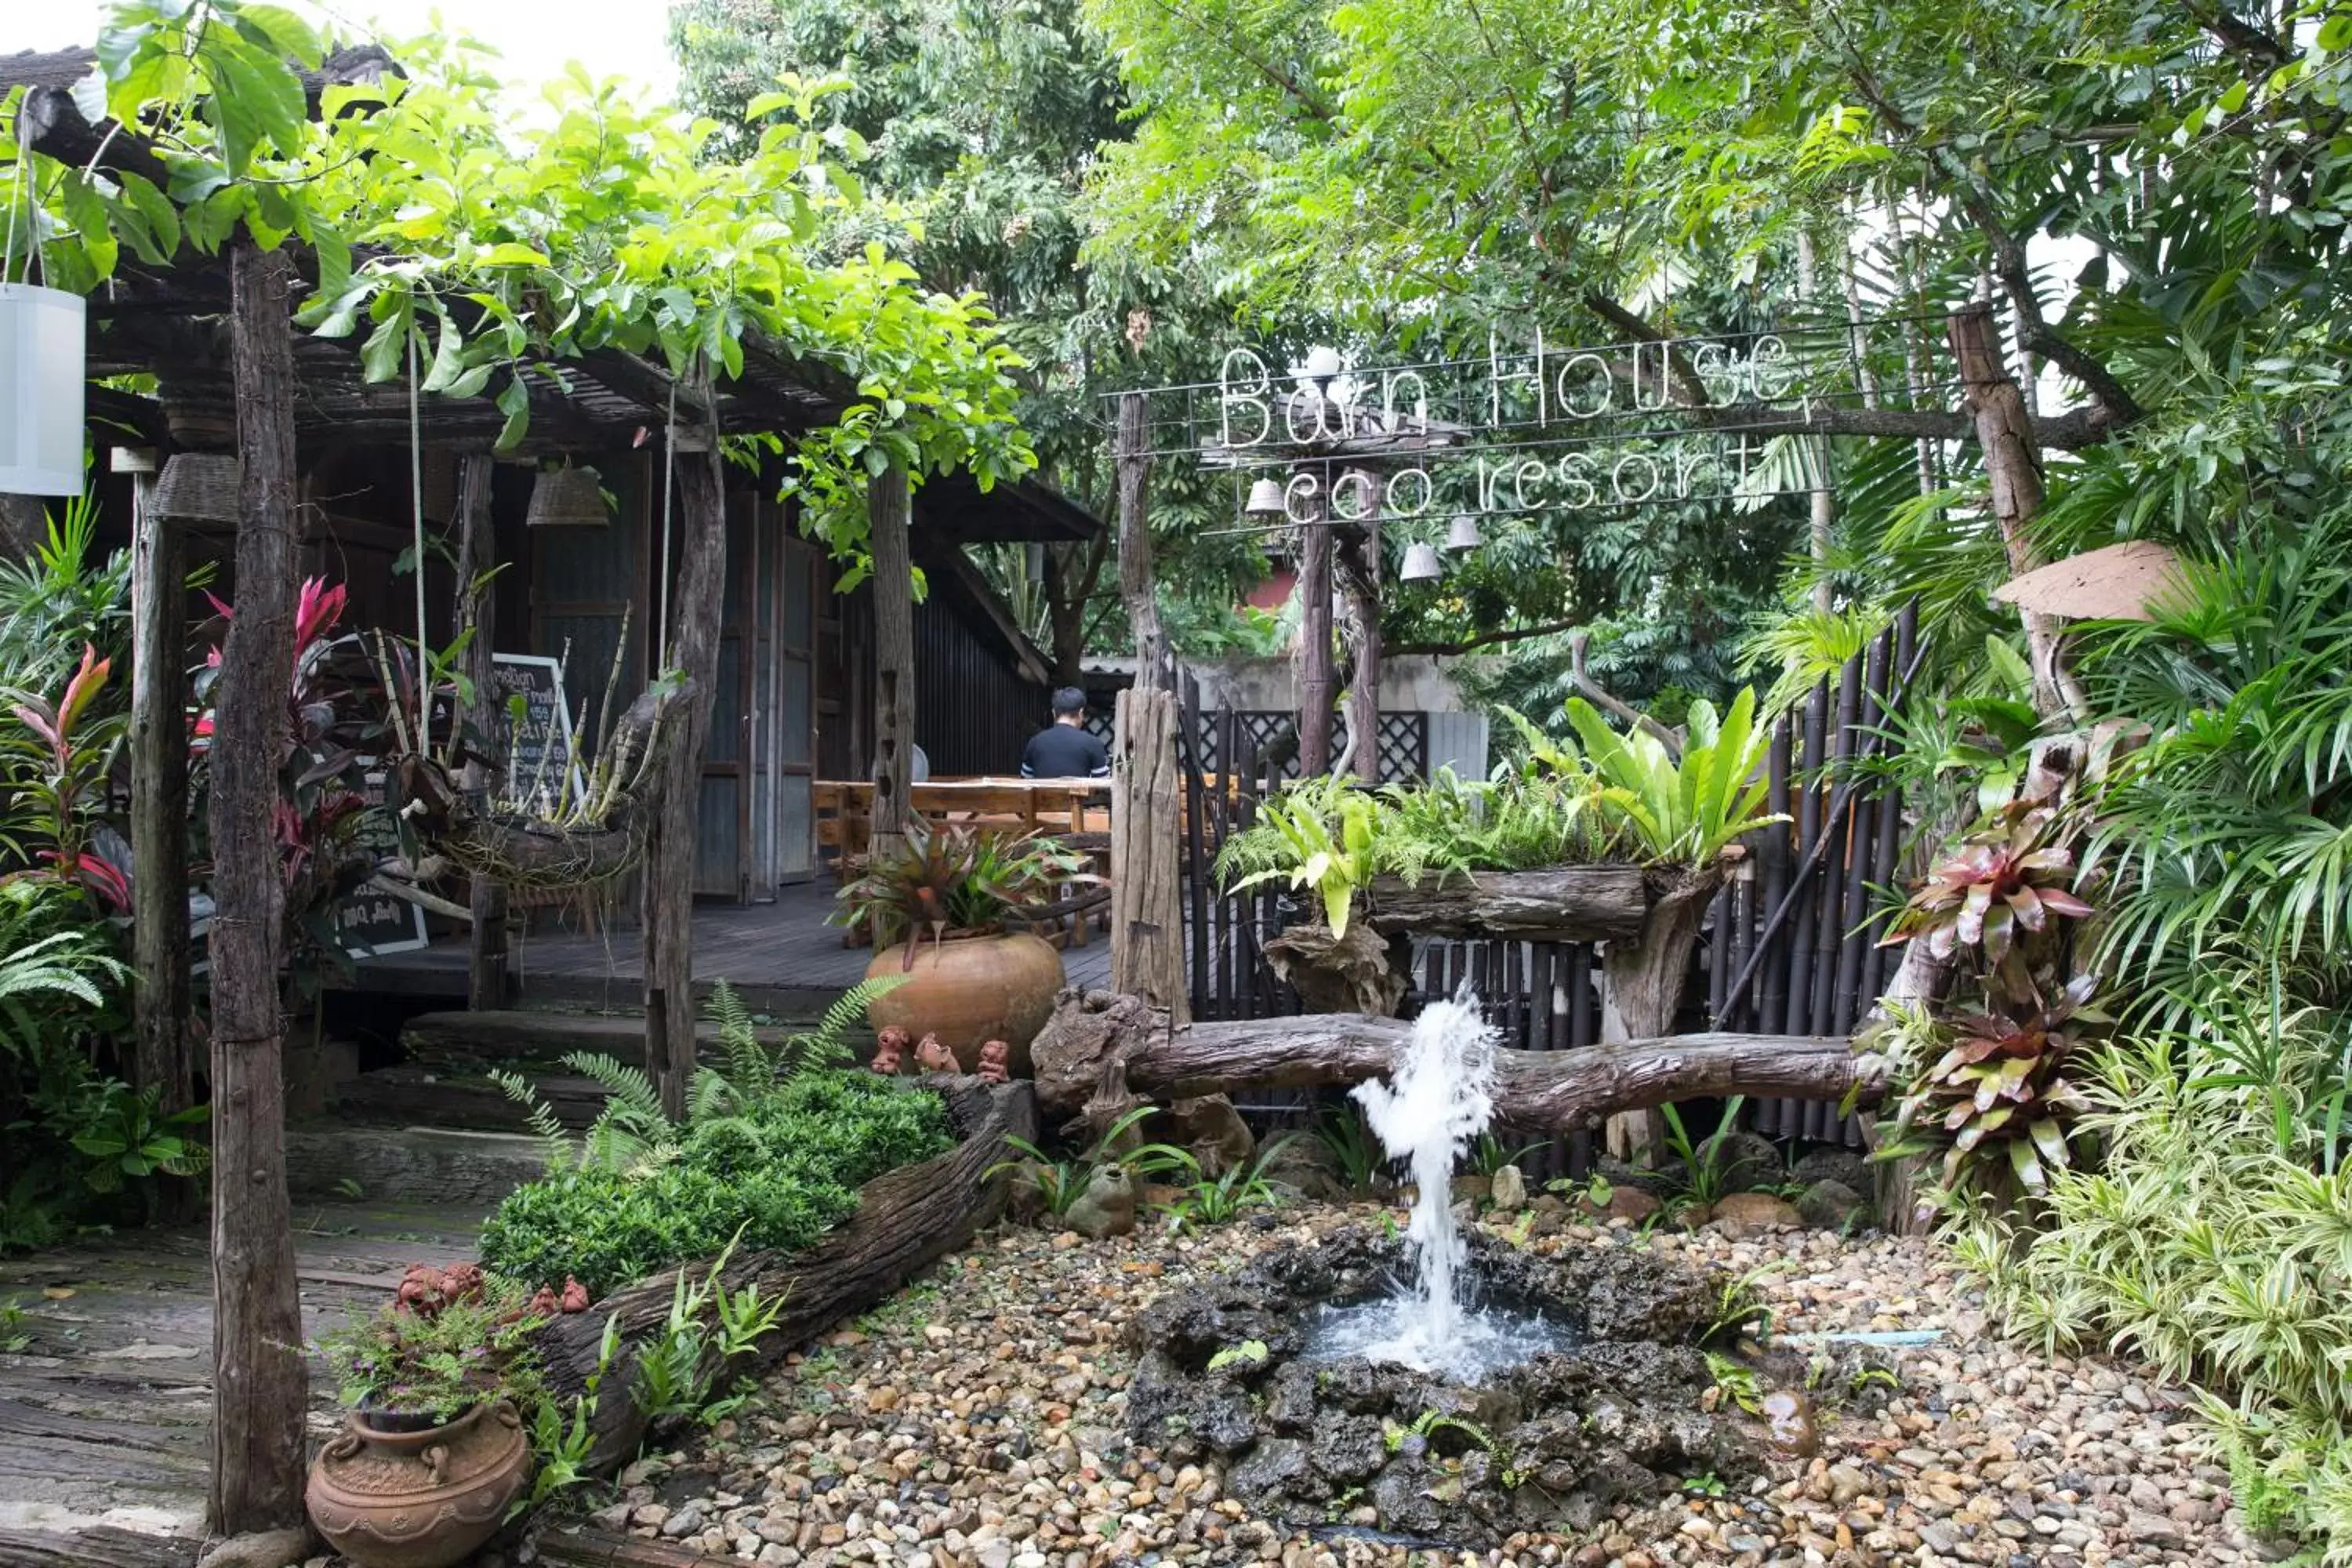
992 1062
890 1045
1108 1205
932 1057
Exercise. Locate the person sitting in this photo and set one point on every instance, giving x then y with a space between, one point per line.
1063 749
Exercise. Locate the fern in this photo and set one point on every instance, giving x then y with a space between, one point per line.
827 1045
542 1119
747 1062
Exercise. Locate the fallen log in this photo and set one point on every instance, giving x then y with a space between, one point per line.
1103 1047
1559 903
907 1220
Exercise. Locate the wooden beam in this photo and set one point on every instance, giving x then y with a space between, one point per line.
260 1386
1564 903
161 1003
1535 1091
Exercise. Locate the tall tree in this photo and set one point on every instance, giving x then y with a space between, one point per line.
975 123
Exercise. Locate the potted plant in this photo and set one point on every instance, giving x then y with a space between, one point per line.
434 1449
938 905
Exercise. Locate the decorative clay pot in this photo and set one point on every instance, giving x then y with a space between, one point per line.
419 1499
970 990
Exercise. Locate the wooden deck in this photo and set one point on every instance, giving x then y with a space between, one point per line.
104 1409
777 955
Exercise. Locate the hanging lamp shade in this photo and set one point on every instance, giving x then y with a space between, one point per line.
1265 498
198 487
1421 565
567 497
43 360
1463 534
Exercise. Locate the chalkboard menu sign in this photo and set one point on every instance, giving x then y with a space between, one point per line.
535 755
371 921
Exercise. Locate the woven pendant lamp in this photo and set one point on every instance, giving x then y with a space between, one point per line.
567 497
198 487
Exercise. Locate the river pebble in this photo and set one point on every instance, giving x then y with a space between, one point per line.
977 1419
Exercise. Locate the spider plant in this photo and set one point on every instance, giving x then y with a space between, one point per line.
1348 1138
1205 1200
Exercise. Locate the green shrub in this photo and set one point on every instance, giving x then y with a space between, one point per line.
784 1172
2213 1240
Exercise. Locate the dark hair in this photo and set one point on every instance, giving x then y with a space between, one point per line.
1069 700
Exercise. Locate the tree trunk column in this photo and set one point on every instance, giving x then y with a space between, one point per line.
260 1386
1138 586
159 796
1147 927
2014 466
1360 586
889 510
669 853
1315 638
486 968
1643 991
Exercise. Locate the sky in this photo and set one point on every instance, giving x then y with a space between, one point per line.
535 38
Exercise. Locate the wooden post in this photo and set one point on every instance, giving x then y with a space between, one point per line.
2013 464
1138 588
261 1387
159 796
1360 586
486 967
669 906
1643 991
889 507
1314 657
1147 875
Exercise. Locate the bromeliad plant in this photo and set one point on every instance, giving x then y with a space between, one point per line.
2001 1085
2008 876
945 881
1987 1081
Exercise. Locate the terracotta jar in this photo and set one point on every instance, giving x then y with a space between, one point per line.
419 1499
970 990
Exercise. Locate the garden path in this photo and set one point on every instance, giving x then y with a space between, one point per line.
103 1408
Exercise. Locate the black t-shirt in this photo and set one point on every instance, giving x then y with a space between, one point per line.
1064 751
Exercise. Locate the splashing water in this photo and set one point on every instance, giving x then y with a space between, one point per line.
1438 1099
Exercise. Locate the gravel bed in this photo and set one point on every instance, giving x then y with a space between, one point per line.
977 1419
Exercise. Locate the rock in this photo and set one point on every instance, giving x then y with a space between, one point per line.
1789 1417
1214 1132
1472 1189
1848 1167
1509 1191
2152 1529
1749 1160
1743 1213
1845 1484
1832 1205
1307 1167
1108 1205
262 1549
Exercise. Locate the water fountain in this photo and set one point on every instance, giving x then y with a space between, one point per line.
1452 1388
1437 1101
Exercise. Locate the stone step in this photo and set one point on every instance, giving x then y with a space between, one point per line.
440 1165
520 1035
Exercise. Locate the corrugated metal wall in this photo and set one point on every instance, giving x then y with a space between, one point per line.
973 710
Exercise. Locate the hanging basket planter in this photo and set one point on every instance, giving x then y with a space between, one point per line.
522 854
43 362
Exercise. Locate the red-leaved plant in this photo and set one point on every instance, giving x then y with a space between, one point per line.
53 768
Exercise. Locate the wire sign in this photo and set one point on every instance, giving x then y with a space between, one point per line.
1549 429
